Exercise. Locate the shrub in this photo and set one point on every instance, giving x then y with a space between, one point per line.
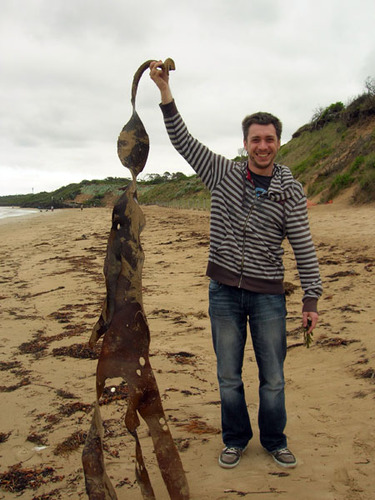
365 193
370 85
339 183
332 111
356 164
329 114
361 107
342 181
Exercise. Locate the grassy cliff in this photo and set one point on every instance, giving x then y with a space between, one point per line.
335 152
176 189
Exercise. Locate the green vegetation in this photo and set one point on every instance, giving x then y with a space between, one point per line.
366 189
323 116
330 169
178 190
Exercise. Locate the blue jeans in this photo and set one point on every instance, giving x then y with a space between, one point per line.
230 308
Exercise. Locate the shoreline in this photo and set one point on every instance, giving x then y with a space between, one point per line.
9 212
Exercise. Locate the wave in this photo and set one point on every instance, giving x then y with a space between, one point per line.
6 212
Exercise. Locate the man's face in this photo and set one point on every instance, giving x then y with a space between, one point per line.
262 146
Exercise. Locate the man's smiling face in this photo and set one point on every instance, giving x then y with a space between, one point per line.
262 146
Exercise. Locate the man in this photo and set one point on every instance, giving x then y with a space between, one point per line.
254 206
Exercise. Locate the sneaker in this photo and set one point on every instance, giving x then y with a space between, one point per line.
230 457
284 457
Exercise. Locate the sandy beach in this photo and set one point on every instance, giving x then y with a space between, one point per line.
51 291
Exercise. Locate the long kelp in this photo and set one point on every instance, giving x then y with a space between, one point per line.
123 323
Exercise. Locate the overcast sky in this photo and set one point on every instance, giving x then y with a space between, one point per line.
67 67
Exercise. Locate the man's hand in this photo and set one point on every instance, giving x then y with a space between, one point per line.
309 321
313 317
161 78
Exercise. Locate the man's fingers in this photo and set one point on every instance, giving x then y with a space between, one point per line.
309 320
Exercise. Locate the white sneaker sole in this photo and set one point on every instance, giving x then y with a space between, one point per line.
285 465
229 466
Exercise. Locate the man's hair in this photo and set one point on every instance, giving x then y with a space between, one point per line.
261 118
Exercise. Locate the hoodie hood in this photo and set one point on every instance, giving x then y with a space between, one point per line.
283 185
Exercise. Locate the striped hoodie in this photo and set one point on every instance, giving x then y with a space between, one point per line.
246 231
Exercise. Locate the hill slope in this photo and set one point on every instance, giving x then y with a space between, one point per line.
335 152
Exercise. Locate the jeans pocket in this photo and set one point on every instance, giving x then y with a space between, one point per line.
214 286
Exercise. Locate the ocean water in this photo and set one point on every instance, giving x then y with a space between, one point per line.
6 212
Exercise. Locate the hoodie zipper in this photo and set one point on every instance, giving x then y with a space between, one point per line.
243 242
262 196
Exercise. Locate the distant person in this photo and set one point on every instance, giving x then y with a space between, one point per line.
254 205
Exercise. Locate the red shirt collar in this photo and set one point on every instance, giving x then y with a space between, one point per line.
248 176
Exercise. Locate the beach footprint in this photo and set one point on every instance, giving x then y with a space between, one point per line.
23 453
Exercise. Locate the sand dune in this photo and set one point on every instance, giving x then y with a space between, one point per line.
51 292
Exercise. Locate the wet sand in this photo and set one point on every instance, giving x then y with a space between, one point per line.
51 292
